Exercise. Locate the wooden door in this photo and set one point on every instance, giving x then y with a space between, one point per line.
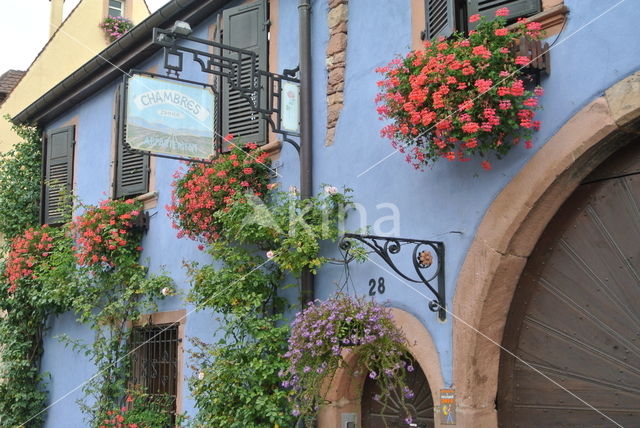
420 406
575 316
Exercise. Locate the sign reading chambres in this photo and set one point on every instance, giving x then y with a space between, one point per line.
168 117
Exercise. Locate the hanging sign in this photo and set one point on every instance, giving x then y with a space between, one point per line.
168 117
447 407
290 107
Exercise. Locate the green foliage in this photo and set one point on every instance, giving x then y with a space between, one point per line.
141 410
26 301
240 386
108 296
20 171
26 305
259 241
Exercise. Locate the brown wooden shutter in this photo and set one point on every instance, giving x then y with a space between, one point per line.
517 8
440 18
58 174
245 27
132 169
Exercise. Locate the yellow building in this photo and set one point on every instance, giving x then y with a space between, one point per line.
72 42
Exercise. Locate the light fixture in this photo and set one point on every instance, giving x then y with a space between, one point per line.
181 28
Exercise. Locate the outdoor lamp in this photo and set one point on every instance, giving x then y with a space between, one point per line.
181 28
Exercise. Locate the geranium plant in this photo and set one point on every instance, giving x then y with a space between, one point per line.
204 189
461 96
325 332
116 26
105 231
26 255
141 410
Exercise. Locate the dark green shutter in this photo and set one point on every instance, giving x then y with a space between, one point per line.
517 8
58 178
132 169
440 18
245 27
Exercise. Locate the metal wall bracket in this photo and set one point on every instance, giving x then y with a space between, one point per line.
262 89
427 261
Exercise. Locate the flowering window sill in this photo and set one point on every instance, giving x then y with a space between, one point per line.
552 19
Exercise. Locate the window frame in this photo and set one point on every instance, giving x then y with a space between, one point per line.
177 318
121 10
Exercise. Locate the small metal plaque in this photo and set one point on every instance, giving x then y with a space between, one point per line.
290 107
447 408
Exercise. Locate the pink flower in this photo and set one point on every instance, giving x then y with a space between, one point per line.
474 18
330 190
470 127
534 26
522 60
502 32
486 165
503 11
270 254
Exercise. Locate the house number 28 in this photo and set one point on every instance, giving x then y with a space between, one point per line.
379 285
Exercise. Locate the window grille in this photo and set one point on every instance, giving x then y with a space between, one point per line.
154 363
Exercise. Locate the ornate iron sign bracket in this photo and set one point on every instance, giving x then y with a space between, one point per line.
240 69
427 261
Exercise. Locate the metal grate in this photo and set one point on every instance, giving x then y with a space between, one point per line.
154 363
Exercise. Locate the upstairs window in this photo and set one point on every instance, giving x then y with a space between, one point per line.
443 17
245 27
57 174
116 8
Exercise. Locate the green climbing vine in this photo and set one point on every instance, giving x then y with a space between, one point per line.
37 262
262 238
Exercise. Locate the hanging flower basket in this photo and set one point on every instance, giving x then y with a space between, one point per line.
107 232
204 189
325 332
116 27
27 253
462 96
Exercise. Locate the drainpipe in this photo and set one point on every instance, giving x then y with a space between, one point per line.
306 183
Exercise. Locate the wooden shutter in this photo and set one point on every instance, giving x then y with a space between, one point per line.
132 169
245 27
440 18
58 174
517 8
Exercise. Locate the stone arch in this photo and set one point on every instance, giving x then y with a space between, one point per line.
345 389
509 231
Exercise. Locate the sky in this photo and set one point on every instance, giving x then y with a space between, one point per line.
24 29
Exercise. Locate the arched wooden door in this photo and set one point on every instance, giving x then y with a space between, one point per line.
420 406
575 316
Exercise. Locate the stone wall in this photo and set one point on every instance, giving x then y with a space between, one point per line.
337 19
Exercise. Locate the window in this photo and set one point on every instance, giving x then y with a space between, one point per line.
154 362
57 174
245 27
116 8
131 177
442 17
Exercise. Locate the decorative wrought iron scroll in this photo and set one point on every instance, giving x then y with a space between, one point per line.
427 262
226 61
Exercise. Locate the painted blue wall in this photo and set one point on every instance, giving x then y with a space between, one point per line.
445 202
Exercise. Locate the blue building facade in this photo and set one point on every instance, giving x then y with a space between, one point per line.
489 221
